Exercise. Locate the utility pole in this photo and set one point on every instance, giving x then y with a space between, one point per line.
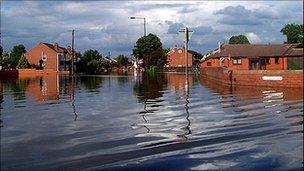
186 40
73 53
145 31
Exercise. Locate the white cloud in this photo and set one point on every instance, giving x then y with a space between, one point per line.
105 25
253 38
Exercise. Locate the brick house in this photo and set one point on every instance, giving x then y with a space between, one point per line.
50 56
252 56
176 58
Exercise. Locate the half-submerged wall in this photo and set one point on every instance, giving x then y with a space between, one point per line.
272 78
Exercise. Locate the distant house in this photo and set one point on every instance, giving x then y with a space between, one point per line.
252 56
108 59
176 58
50 57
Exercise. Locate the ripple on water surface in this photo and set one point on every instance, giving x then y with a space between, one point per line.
127 123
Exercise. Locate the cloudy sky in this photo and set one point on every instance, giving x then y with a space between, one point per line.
106 27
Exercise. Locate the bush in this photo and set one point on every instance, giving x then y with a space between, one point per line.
23 63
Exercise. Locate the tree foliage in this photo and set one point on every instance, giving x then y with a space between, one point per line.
122 60
146 45
239 39
23 63
91 62
155 60
196 55
4 59
90 55
149 49
16 54
1 51
293 32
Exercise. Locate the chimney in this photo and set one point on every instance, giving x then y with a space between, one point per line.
56 46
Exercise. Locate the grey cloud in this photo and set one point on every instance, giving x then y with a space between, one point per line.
188 9
234 11
146 7
202 30
239 15
105 26
174 27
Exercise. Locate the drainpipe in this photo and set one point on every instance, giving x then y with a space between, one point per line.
57 68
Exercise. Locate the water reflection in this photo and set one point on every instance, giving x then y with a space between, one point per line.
175 121
91 83
149 87
247 92
160 115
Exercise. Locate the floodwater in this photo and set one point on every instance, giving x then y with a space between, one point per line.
159 122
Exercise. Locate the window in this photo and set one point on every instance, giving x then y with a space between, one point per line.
276 60
43 56
267 61
208 63
237 61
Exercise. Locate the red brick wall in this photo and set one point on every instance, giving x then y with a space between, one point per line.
218 74
176 59
34 55
290 78
243 66
243 92
215 62
282 65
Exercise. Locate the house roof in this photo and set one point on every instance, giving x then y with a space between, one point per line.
295 52
59 50
257 50
175 49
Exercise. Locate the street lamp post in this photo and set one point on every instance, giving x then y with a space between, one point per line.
145 32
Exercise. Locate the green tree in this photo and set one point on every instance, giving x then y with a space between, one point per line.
23 63
146 45
196 55
4 59
95 66
122 60
293 32
90 55
1 51
166 50
240 39
155 60
16 54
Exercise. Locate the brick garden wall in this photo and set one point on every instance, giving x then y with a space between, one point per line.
218 74
254 77
290 78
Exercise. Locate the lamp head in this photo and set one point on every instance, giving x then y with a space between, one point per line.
132 17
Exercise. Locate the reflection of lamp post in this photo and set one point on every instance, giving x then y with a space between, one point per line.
132 18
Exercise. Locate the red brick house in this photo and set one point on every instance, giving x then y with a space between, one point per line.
252 56
176 58
50 56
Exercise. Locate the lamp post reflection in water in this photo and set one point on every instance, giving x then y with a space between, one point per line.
187 127
73 98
